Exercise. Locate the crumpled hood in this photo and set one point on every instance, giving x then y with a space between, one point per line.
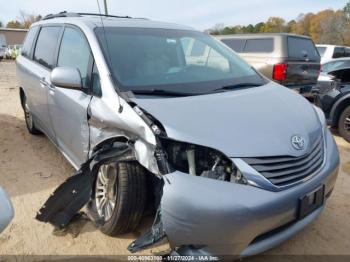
252 122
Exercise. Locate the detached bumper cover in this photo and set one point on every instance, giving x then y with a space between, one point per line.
222 218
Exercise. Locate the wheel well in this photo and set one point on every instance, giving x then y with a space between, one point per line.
153 183
110 141
22 96
340 108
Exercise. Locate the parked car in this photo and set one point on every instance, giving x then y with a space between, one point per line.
230 162
12 51
8 52
329 52
6 210
335 64
2 46
334 96
326 81
290 60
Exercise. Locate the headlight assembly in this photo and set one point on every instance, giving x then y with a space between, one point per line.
200 161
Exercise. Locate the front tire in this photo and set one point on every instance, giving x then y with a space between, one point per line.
344 124
28 116
120 197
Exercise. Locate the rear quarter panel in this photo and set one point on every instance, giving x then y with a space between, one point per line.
26 72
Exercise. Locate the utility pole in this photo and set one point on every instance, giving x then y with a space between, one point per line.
106 10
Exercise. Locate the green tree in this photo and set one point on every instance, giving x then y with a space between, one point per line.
1 24
258 27
14 24
274 25
248 29
290 26
228 30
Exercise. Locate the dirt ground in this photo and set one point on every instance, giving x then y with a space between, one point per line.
31 168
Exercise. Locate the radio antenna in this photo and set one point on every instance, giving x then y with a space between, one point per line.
106 10
108 53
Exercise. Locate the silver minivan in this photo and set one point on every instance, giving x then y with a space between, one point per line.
227 162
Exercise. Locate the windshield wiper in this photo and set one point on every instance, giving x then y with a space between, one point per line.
236 87
161 92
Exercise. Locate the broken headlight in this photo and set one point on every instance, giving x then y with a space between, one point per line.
199 161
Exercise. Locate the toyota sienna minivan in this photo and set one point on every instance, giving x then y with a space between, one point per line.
227 162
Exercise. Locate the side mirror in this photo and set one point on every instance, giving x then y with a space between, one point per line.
6 208
66 77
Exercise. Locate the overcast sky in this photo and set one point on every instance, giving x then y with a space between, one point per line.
201 14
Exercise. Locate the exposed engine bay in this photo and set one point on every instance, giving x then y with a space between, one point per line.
200 161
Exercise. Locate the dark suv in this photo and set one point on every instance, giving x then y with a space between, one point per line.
334 95
291 60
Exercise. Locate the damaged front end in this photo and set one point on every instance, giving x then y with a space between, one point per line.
172 158
75 192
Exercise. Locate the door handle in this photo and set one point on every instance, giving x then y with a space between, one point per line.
51 87
44 83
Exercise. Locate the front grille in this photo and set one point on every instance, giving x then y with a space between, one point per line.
285 170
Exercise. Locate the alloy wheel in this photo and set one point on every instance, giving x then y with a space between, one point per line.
347 123
106 190
28 116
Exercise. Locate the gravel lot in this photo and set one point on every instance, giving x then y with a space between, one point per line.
31 168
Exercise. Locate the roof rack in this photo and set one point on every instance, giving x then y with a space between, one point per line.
61 14
69 14
95 14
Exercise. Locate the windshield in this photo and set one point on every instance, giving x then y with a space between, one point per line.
321 50
172 60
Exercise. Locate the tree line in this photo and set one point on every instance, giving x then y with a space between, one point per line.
325 27
23 22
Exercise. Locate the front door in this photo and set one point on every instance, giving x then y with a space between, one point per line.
68 108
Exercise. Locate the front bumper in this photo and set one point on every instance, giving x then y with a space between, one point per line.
209 217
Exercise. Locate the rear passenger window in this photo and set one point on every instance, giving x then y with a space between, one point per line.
46 46
75 52
339 52
259 46
302 49
347 51
28 42
235 44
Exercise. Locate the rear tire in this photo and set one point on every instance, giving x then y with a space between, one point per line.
126 194
30 123
344 124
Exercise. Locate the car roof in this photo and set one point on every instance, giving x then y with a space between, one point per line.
93 21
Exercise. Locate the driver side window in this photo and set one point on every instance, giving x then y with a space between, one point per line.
75 52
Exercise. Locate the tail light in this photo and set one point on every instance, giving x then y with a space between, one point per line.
279 72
